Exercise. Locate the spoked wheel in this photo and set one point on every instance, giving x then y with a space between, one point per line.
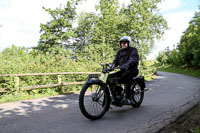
93 101
137 94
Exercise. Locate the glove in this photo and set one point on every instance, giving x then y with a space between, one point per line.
124 67
111 65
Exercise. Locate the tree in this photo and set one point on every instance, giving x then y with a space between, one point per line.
189 47
187 52
103 29
139 20
84 31
99 31
57 32
144 24
0 27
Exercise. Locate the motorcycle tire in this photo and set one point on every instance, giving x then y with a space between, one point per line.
94 100
137 94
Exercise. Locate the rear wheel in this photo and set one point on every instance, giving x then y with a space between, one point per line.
93 101
137 94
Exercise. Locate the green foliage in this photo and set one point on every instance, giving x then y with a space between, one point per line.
187 52
64 48
143 23
57 32
197 130
148 69
139 20
18 60
189 47
99 31
176 69
162 57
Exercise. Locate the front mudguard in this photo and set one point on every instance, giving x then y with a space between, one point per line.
99 82
93 81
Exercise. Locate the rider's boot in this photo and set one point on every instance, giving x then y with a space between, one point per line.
126 100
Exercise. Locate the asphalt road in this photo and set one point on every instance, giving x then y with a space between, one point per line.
170 96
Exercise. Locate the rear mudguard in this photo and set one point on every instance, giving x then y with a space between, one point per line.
140 80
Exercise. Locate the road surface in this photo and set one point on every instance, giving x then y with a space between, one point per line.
170 96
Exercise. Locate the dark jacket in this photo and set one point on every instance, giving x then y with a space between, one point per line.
128 56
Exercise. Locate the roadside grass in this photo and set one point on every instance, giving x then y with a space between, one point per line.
187 71
34 94
187 123
25 95
190 121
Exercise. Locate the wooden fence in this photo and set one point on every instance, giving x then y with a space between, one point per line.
59 79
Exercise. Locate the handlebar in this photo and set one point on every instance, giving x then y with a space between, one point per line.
109 69
116 68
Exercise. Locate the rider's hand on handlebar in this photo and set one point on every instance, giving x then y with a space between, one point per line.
124 67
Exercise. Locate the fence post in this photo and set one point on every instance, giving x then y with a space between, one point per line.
59 79
60 82
16 83
44 78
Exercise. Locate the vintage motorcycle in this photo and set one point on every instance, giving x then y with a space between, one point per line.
96 96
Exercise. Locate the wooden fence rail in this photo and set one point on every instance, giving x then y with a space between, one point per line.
45 74
59 79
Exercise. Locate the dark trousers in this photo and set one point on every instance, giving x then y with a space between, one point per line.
122 77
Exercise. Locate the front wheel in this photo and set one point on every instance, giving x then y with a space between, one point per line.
137 94
93 100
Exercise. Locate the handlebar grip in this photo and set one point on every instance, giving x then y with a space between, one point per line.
110 69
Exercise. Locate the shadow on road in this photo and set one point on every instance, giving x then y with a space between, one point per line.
28 107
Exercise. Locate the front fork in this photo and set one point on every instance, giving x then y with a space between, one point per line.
104 77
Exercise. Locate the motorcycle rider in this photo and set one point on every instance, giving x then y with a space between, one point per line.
128 59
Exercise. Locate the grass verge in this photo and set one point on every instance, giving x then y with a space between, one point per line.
187 71
190 121
187 123
39 93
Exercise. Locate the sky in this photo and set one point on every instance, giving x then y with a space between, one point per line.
20 20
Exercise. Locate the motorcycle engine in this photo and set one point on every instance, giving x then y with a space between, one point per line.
118 90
